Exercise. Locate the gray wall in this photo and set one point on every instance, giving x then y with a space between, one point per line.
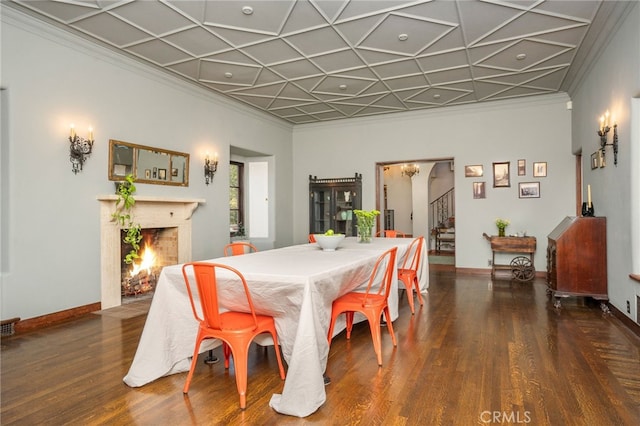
50 217
535 129
611 83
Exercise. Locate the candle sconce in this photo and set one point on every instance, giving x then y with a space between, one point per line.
602 132
210 168
79 149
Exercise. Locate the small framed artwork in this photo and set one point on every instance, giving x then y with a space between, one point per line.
595 160
540 169
478 190
529 189
473 171
522 167
155 172
174 172
162 174
147 173
501 177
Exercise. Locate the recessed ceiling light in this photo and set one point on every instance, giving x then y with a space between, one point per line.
228 74
436 96
403 37
343 87
247 10
521 56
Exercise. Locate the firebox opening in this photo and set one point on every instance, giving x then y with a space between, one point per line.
158 248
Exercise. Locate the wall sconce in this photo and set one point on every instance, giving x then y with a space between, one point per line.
410 170
210 168
79 149
602 132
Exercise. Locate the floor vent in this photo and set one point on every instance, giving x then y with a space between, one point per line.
7 327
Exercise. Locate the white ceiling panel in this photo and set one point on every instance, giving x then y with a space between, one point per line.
316 60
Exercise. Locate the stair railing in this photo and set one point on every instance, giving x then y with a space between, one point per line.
442 208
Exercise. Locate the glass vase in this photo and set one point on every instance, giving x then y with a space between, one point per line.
500 232
364 234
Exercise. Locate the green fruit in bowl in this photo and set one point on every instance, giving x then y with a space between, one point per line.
329 232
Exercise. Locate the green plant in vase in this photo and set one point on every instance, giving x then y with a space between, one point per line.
502 225
365 221
123 216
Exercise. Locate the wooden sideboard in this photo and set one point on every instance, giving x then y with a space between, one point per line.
577 259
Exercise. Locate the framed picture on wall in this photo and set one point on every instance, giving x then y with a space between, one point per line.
522 167
529 190
473 171
162 174
478 190
540 169
501 175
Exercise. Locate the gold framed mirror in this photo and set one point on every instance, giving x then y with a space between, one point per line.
147 164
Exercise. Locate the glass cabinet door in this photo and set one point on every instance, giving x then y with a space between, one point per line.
343 219
321 211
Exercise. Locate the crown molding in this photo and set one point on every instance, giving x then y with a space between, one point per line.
52 31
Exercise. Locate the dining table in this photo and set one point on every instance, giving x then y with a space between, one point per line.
297 286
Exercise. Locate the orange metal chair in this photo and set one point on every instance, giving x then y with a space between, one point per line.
372 303
236 329
239 247
390 233
408 272
312 239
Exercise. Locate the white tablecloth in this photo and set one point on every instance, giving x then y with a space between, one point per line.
296 285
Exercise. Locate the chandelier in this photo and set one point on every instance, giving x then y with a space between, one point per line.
410 170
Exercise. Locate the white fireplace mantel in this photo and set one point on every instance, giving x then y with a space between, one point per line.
149 212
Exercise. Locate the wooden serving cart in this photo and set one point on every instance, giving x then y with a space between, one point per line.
521 267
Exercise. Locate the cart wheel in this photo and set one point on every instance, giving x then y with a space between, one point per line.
522 269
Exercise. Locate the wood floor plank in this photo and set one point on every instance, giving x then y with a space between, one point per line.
479 351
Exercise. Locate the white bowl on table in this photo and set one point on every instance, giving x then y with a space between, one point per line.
329 242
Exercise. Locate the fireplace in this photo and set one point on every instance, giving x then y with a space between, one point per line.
169 214
158 248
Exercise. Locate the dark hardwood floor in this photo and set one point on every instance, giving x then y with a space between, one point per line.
477 352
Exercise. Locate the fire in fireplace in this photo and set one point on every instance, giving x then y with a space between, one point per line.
158 248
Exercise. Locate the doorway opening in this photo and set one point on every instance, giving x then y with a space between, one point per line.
422 203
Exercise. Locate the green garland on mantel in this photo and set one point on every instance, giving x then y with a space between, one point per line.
123 216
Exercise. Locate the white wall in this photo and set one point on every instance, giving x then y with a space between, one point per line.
610 85
535 129
399 198
50 217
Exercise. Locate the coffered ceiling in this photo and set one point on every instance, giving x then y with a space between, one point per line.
316 60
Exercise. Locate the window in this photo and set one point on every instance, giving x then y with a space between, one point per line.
236 190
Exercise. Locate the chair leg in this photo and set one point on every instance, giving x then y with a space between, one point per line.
409 291
276 347
240 363
387 315
349 315
227 351
374 325
417 284
194 361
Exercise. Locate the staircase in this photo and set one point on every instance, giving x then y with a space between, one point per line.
443 227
